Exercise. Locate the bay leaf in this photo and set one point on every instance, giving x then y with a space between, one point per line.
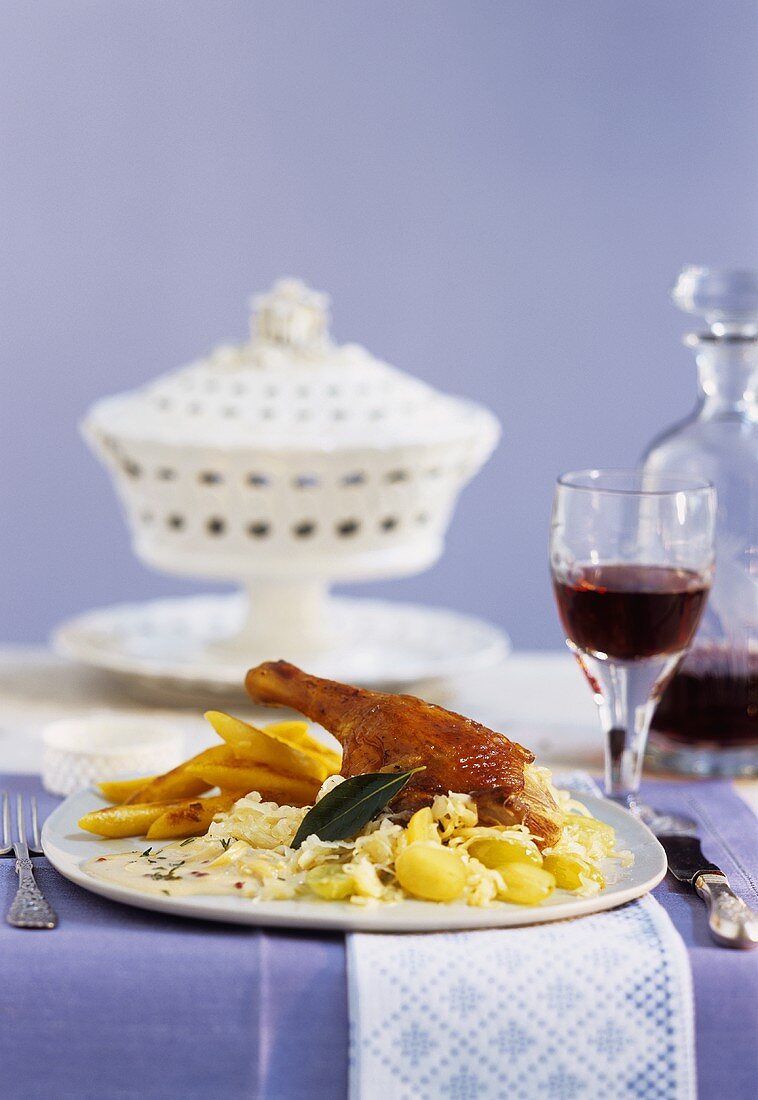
345 810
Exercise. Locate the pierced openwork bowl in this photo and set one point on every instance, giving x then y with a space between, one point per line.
287 463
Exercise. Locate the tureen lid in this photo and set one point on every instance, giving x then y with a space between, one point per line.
290 386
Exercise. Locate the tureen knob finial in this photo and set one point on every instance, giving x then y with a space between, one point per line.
291 315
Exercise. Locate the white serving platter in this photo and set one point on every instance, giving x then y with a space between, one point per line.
68 848
173 644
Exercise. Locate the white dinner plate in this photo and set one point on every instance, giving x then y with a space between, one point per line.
68 848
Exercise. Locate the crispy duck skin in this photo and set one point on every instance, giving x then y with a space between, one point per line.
379 731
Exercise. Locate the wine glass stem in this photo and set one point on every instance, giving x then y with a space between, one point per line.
623 764
626 693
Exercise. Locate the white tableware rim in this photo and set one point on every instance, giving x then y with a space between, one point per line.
157 733
60 840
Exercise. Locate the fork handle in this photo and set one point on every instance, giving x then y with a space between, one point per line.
29 908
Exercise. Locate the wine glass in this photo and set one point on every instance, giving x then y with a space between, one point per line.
632 558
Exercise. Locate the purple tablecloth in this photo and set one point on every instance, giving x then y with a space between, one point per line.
119 1002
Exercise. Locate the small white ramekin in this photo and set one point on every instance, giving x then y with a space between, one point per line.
78 752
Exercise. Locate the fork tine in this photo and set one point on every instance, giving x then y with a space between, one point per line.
20 826
6 845
36 844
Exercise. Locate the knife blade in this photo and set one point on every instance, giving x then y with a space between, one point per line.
731 922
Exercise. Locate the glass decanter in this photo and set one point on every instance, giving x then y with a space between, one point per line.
706 722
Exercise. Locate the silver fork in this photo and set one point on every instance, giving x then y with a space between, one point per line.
29 909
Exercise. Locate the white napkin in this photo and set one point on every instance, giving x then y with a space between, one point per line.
595 1007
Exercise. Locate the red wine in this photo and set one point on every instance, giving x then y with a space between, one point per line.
713 697
630 612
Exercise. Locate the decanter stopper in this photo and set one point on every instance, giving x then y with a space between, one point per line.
726 299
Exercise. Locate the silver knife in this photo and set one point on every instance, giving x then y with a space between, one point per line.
732 923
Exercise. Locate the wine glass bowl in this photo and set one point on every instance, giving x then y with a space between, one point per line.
632 559
629 612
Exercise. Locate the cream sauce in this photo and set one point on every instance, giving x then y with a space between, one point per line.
177 871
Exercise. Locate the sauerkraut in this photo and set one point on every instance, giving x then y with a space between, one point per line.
247 851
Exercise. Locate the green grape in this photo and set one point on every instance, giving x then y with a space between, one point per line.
422 826
497 851
430 871
526 884
568 871
330 882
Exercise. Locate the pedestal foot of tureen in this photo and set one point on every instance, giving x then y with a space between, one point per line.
281 617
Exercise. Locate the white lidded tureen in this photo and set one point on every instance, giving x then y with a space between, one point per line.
286 463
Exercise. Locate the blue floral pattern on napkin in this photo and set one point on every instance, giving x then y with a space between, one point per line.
585 1009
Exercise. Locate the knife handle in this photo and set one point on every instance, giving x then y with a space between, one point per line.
732 923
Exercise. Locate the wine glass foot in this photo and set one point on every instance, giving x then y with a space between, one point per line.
661 822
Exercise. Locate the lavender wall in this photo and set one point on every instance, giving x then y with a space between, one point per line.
496 194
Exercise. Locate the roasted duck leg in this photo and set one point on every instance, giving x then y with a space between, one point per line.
386 732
